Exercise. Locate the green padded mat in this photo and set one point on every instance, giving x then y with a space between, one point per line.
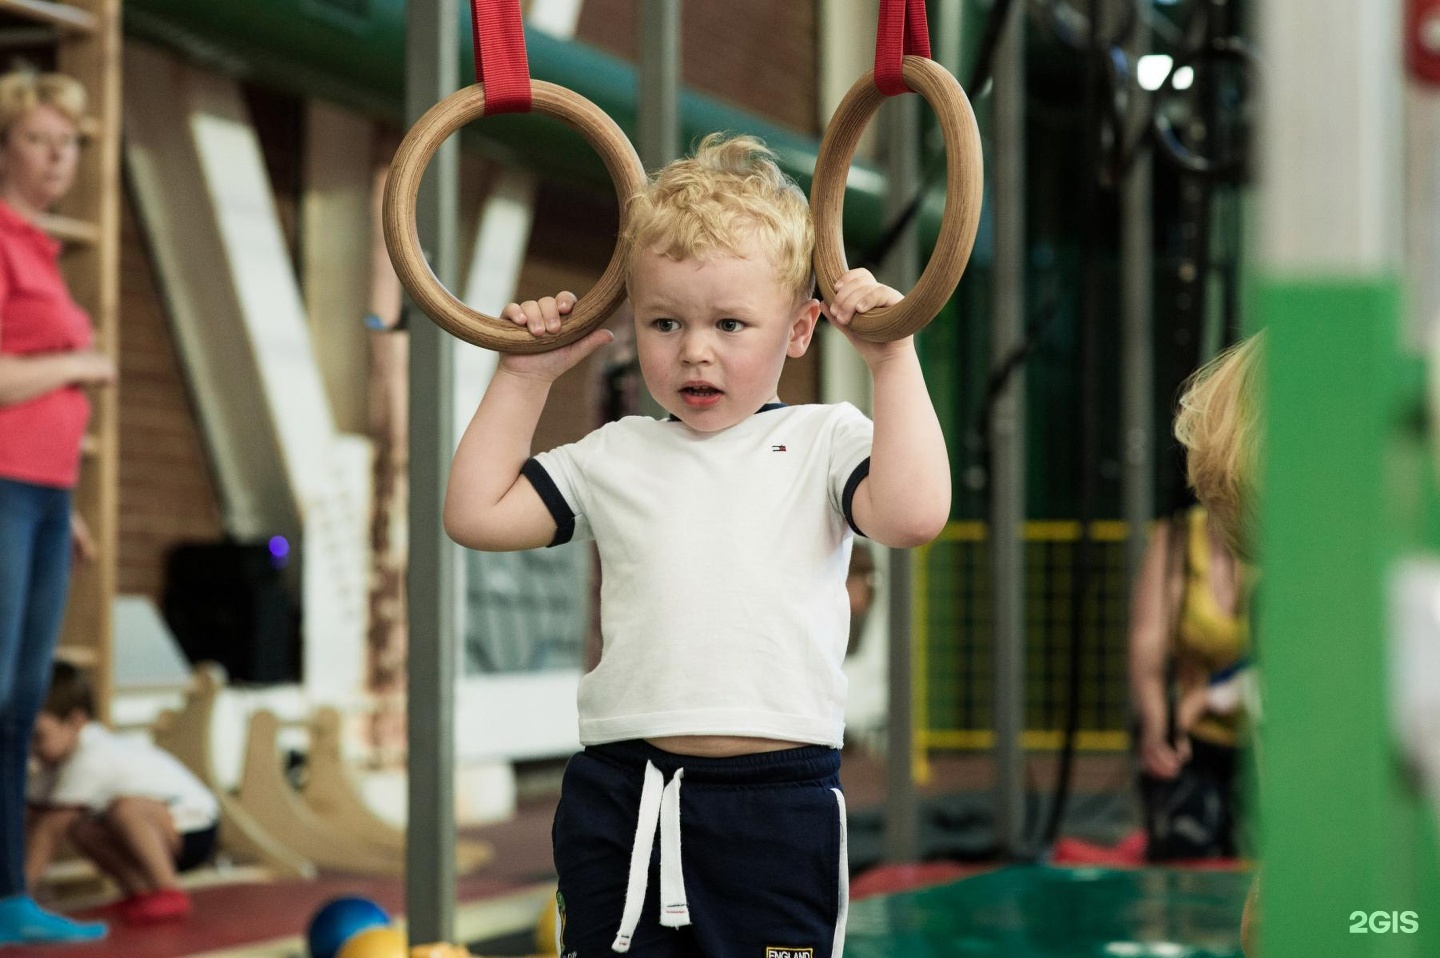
1041 912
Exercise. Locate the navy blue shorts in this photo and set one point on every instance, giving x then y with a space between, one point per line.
761 850
196 848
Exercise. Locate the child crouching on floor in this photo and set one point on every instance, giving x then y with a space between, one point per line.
130 807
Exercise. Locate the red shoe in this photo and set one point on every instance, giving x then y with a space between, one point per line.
156 907
1133 844
1074 851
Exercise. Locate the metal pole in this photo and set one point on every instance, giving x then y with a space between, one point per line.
1137 382
1422 223
658 109
948 35
431 65
1007 437
902 269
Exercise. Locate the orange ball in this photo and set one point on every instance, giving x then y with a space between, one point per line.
376 943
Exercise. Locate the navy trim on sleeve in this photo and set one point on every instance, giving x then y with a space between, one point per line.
847 499
550 495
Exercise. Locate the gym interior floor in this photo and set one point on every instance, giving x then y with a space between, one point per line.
1019 912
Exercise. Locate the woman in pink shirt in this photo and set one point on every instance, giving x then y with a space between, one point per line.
46 358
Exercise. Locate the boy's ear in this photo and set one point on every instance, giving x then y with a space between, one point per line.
802 328
77 718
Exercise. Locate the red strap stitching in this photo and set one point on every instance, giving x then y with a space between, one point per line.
901 31
501 63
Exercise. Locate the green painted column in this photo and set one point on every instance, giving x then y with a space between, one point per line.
1347 840
1341 826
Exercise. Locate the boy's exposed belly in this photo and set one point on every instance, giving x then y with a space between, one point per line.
719 746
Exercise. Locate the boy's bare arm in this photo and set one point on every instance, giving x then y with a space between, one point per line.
488 504
905 500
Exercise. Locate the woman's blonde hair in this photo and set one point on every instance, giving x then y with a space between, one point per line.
23 90
1220 426
729 192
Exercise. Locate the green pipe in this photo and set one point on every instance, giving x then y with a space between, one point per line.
352 52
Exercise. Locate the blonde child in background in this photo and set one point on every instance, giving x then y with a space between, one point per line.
724 534
129 806
1220 426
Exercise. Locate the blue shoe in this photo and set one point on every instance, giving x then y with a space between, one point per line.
24 922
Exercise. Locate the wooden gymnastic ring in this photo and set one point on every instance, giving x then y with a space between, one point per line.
403 240
964 188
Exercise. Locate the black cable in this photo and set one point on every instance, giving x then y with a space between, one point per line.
984 71
1205 174
1064 23
1081 577
1216 164
1000 378
934 166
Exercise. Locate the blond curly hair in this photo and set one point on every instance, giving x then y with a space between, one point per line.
1220 426
23 90
730 192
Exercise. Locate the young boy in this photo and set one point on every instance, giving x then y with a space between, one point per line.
724 533
131 808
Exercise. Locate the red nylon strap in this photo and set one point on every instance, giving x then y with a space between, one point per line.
902 30
501 63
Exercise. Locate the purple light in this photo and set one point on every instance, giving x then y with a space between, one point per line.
279 548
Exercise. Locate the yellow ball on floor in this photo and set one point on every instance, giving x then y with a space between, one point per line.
439 950
545 930
376 943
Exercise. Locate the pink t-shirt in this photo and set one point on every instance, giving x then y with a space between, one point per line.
40 437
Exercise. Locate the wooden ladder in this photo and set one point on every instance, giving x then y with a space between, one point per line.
86 40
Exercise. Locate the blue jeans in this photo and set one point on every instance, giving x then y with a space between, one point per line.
34 577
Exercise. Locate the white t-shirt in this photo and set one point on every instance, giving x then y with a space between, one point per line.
723 559
106 767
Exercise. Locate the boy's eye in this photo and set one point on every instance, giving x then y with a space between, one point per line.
665 325
731 325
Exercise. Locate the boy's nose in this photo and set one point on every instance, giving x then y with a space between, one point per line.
695 349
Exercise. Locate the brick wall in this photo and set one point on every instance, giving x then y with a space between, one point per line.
167 493
760 55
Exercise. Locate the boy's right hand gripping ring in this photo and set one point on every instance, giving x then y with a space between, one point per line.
403 239
964 187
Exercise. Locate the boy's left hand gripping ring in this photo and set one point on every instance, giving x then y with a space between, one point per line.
964 188
403 240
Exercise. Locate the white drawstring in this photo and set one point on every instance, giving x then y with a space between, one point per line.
659 806
837 947
674 909
640 857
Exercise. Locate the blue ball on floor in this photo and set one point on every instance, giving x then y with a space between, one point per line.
338 921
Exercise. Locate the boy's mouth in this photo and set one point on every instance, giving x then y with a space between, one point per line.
700 395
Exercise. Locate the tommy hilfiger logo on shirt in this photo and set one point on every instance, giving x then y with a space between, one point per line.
771 951
776 449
